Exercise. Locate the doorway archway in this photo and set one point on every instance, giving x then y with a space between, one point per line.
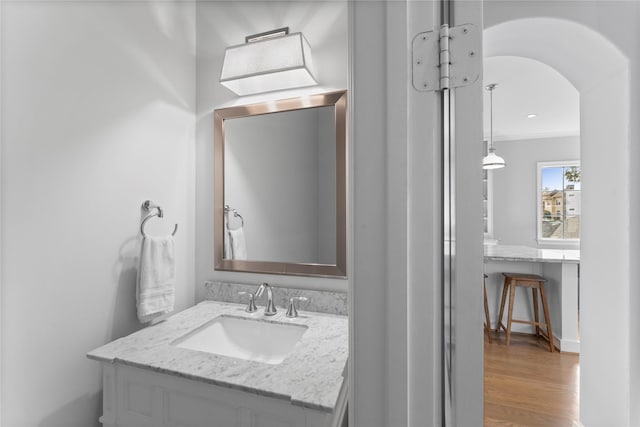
600 72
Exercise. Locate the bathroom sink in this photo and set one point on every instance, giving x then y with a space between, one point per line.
243 338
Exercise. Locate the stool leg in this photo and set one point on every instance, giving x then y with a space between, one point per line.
505 288
512 295
536 316
487 325
547 318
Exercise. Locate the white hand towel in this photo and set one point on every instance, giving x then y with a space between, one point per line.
156 278
227 253
238 244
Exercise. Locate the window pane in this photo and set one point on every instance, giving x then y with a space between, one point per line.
552 202
560 202
572 203
552 178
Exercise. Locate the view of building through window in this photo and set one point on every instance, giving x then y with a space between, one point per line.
560 190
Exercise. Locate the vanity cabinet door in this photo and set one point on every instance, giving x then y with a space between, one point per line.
134 397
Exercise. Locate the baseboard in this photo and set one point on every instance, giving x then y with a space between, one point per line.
556 341
567 346
563 346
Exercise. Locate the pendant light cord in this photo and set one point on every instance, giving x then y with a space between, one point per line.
492 160
490 88
491 118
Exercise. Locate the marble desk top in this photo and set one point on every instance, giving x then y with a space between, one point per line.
528 254
311 376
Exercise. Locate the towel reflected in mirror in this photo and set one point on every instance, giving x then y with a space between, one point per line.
237 243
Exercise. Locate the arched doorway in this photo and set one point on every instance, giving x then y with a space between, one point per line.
600 72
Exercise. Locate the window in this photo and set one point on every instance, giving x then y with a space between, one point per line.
559 201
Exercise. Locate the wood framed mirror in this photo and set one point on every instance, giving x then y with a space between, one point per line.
280 182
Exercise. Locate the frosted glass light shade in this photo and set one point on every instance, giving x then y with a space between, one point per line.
493 161
267 65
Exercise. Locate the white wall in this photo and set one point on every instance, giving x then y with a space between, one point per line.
1 222
223 24
98 115
515 186
634 229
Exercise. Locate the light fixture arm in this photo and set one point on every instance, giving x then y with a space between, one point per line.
278 32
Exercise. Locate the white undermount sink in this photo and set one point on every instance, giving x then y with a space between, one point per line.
243 338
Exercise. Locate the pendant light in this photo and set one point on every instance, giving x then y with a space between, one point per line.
492 160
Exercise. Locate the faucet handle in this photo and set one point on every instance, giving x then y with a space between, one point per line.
291 310
251 307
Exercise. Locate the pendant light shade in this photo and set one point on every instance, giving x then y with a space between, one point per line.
267 64
492 160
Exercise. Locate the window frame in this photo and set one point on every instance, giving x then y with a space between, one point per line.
539 209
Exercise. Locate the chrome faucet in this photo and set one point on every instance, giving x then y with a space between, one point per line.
270 308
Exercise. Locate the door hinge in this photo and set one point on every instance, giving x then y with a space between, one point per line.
448 58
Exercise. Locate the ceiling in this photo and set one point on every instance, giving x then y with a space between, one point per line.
526 86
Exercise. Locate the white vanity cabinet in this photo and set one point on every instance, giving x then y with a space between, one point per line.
151 379
134 397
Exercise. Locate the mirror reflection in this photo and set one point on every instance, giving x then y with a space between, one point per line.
279 185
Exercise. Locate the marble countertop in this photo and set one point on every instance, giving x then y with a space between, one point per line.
311 376
525 253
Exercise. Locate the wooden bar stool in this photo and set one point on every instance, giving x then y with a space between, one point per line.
487 323
535 283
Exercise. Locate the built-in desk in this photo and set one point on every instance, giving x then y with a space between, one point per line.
561 268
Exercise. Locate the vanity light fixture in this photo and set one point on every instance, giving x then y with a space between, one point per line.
492 160
269 61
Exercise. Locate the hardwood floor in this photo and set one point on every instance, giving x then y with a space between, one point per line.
527 385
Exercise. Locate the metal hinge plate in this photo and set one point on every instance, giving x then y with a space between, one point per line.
448 58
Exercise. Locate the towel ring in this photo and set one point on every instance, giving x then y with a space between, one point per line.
228 209
147 206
